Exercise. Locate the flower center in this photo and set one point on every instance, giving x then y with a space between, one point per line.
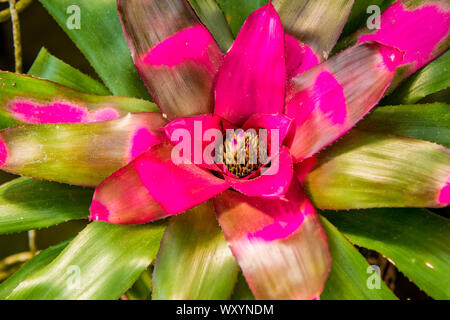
241 153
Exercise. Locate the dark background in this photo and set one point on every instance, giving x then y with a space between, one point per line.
39 30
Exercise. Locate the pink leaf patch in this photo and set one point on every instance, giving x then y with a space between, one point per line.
444 194
143 139
188 45
299 57
3 152
58 112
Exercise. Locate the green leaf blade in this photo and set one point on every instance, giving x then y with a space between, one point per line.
49 67
429 122
102 262
416 240
213 18
349 271
430 79
39 262
27 204
371 170
194 261
101 40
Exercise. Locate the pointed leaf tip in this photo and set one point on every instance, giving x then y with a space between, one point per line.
393 57
98 212
444 193
252 78
3 152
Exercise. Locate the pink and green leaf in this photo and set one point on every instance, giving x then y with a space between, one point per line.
329 99
279 244
366 170
174 53
153 187
419 28
78 153
24 99
431 79
194 261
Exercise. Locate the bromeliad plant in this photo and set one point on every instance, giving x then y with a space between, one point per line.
274 78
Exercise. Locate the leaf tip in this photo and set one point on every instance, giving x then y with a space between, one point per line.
3 152
444 193
98 211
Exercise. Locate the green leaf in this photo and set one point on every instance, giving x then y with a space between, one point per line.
102 262
367 170
142 288
236 11
213 18
429 122
242 290
350 272
100 38
194 261
416 240
17 90
430 79
36 264
27 204
49 67
359 16
79 153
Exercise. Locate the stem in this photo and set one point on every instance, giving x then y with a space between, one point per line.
10 264
32 242
16 35
21 5
14 259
